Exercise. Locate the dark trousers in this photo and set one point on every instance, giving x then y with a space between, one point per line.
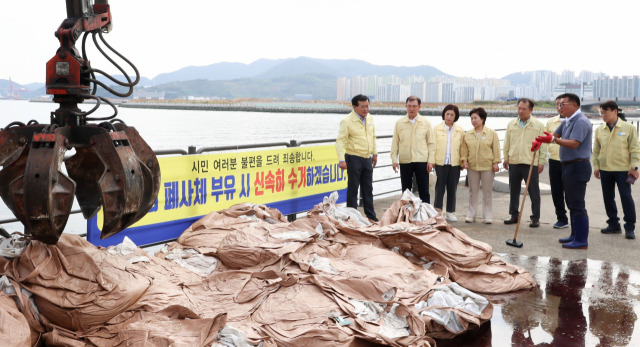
575 176
422 179
557 189
609 180
448 177
360 175
517 174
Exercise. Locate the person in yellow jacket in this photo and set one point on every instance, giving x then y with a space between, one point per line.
356 150
480 156
555 175
518 157
413 149
448 140
615 157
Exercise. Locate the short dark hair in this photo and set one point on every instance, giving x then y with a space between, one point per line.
612 105
451 107
609 105
358 98
571 97
480 112
528 101
412 98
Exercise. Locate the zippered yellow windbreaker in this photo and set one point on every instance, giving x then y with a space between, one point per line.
481 151
441 143
356 139
413 143
550 127
616 150
517 142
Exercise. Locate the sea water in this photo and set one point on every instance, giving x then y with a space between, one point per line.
179 129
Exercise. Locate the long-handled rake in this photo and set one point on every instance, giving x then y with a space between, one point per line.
513 242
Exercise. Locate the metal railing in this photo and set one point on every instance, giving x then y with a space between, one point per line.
463 174
191 150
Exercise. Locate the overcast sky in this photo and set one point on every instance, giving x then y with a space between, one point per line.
469 38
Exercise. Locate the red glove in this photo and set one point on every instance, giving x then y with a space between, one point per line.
535 145
545 139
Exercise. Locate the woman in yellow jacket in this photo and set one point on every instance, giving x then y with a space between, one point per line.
448 139
480 155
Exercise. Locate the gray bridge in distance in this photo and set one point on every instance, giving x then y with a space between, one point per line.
589 105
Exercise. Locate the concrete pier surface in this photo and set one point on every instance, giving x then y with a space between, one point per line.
543 241
583 298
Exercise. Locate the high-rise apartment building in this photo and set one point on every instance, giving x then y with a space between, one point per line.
587 91
567 77
616 87
448 94
359 85
344 89
525 91
488 93
419 89
464 94
433 91
543 82
538 85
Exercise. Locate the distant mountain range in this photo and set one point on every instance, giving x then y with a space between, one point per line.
268 68
264 78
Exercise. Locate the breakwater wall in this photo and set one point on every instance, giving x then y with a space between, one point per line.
378 111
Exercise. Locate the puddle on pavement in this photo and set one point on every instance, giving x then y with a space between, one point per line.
576 303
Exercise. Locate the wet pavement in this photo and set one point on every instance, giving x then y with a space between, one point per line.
584 297
577 303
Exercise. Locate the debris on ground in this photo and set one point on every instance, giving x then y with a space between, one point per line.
245 276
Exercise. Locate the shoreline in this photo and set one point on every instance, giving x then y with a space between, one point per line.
376 111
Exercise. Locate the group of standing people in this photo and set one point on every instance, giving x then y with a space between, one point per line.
417 148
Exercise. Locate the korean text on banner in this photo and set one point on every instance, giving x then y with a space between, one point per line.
289 179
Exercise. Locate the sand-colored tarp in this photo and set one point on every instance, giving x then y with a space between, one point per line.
14 328
325 280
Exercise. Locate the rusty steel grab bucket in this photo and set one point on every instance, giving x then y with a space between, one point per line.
113 169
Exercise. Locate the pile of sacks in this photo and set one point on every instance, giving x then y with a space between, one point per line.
246 277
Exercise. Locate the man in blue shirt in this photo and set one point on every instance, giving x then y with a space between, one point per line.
574 138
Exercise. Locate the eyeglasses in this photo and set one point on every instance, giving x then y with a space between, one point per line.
560 105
